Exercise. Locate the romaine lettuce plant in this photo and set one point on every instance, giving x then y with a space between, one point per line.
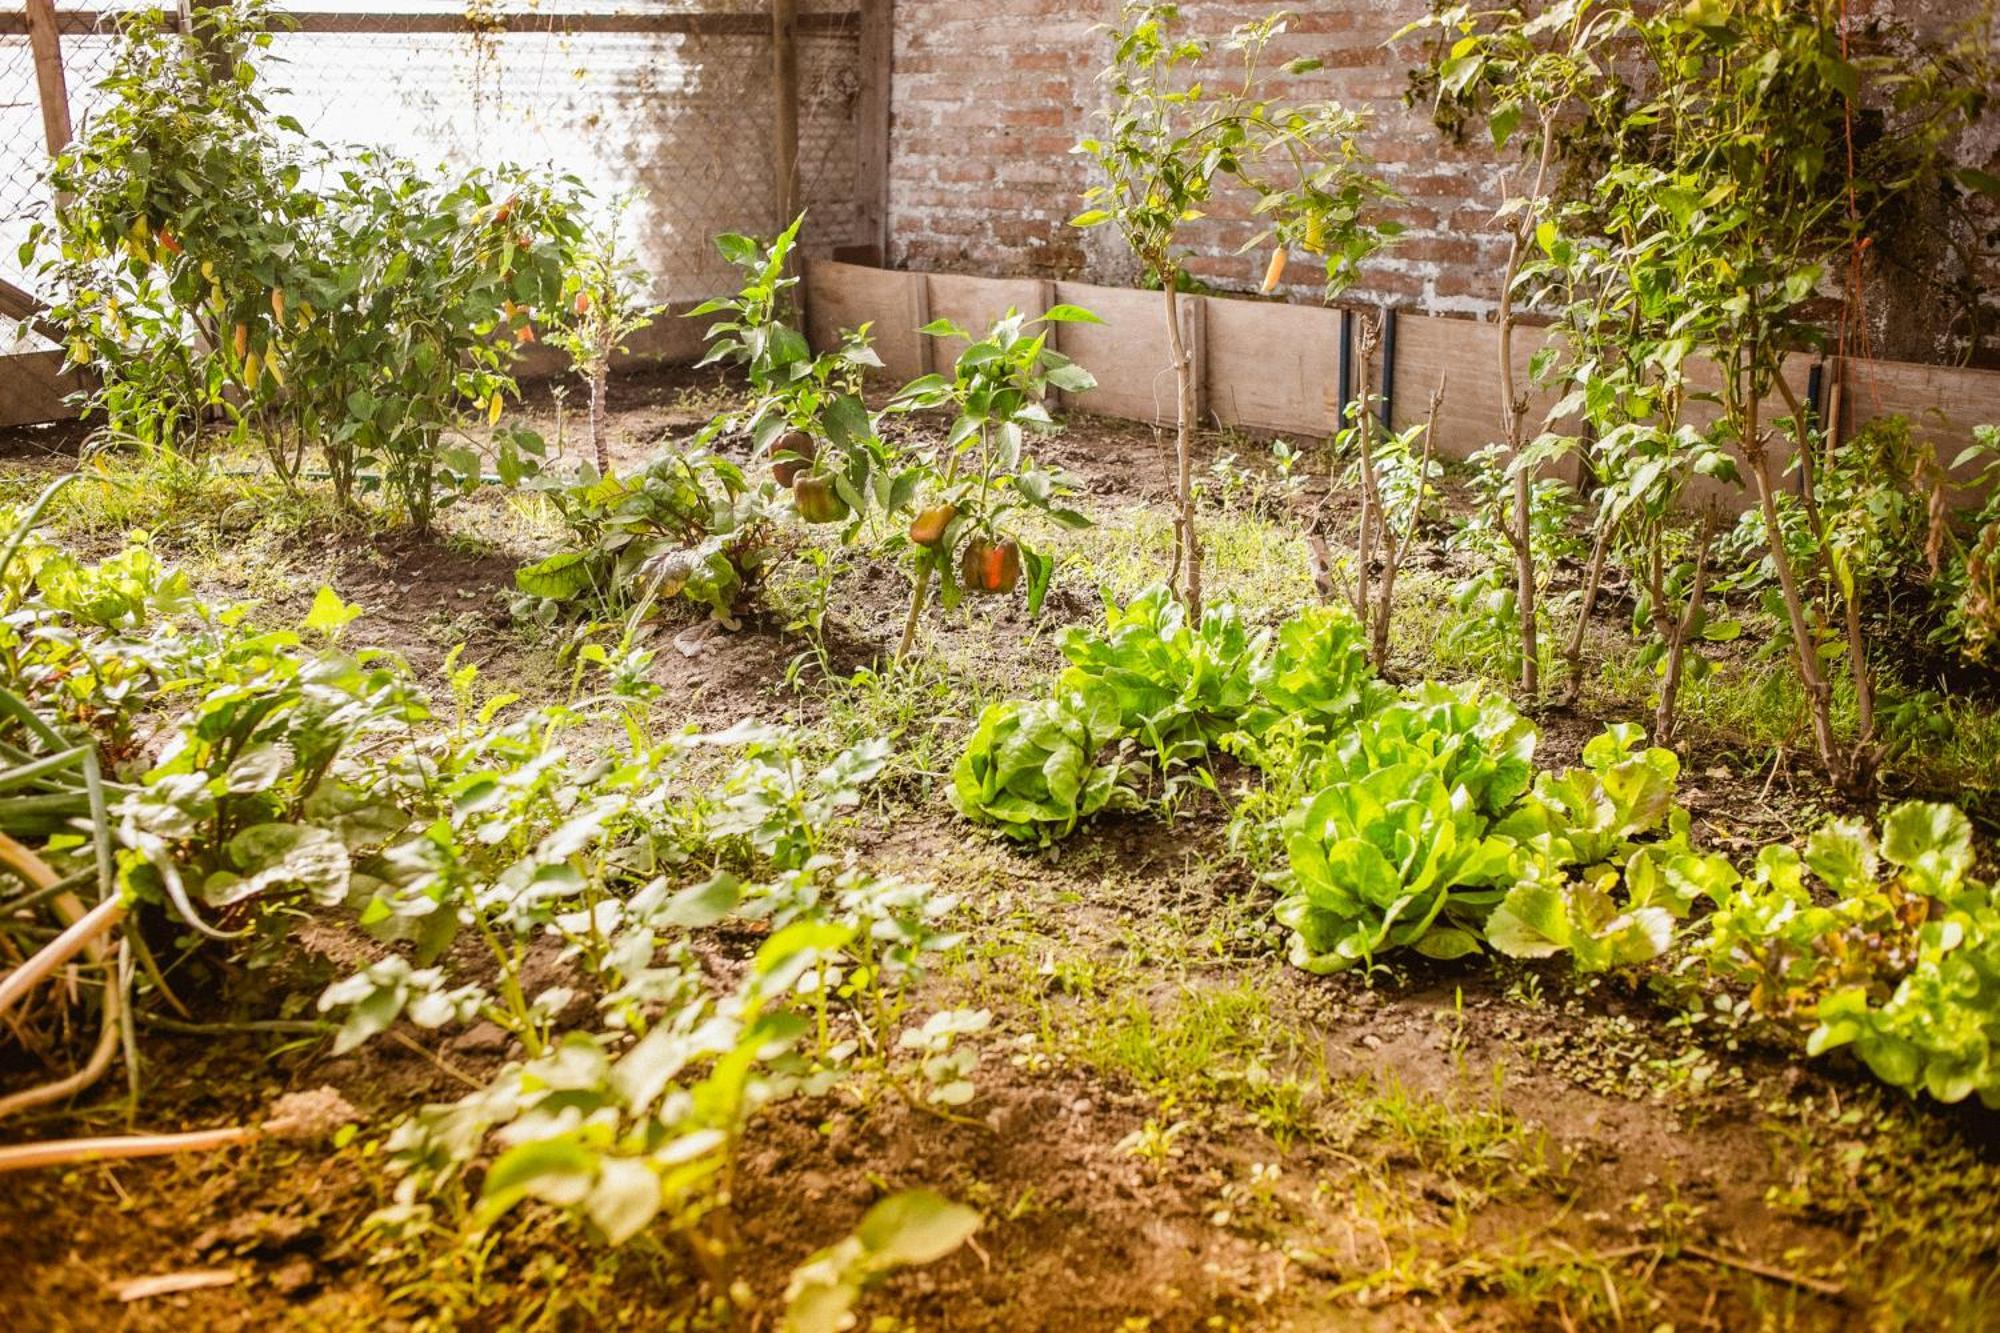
1888 946
1375 861
1035 769
1180 687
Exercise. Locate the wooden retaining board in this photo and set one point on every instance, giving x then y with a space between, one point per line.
846 296
33 387
1127 352
1272 367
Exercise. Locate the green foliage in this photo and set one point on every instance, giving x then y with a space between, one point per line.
1374 860
603 297
1034 769
1316 674
1890 946
688 525
794 390
1395 831
368 322
1426 825
1178 690
912 1227
1179 687
1174 135
182 211
782 808
997 393
1962 550
403 326
251 795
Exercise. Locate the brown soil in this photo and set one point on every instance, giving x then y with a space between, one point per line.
1458 1146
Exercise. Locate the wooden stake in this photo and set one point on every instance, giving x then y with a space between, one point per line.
1194 316
920 315
50 86
871 168
785 107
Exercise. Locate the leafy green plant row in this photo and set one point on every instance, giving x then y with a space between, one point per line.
1417 818
694 524
293 776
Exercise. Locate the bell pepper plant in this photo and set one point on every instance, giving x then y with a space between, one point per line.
998 391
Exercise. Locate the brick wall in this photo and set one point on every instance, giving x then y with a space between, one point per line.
988 99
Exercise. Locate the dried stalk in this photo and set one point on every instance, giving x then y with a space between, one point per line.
1395 550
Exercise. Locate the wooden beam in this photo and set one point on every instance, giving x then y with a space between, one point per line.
1046 299
871 168
785 107
50 86
16 304
83 22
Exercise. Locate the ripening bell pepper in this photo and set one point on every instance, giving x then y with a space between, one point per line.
927 528
988 566
791 454
816 500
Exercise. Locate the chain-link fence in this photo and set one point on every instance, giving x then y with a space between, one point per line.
672 99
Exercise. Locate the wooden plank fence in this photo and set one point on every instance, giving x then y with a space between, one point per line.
1275 368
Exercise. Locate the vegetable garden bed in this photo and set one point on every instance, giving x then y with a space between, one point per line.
962 808
1171 1124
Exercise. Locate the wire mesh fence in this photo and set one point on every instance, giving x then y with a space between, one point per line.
670 100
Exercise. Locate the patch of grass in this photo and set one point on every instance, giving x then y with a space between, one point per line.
1258 564
1219 1043
1485 1145
1921 1203
922 707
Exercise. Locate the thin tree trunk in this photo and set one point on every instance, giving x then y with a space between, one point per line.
1819 696
1665 714
1600 550
599 430
1187 544
1371 489
1848 591
1395 549
1513 416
